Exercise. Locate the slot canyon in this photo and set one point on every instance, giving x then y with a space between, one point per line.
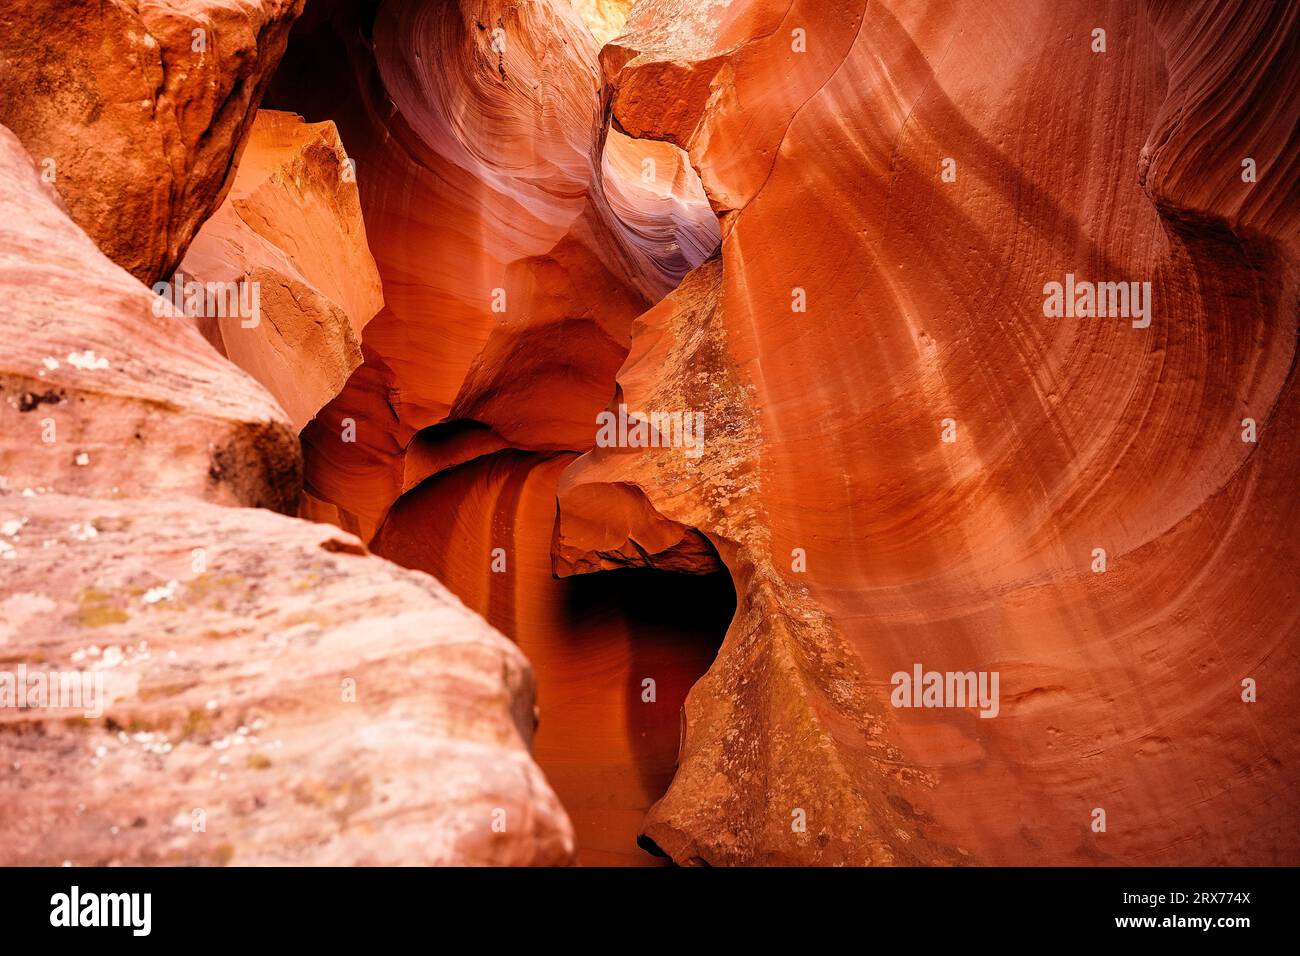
316 308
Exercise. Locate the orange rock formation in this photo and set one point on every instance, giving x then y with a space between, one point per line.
925 321
906 458
291 229
742 361
136 112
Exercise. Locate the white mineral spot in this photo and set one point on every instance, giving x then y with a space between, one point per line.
162 593
87 361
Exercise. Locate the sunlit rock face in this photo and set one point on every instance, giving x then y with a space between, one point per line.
659 201
911 461
107 390
136 112
604 18
518 238
291 239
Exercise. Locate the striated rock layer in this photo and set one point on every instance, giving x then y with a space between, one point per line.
908 462
258 691
909 459
511 281
136 111
1233 99
517 239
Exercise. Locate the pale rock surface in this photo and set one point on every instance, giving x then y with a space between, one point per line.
604 18
271 695
104 390
274 694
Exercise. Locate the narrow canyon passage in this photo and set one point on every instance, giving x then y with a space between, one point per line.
518 238
606 740
905 466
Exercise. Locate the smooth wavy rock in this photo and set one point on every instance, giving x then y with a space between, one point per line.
908 462
291 228
258 690
517 238
514 250
1232 105
106 390
136 111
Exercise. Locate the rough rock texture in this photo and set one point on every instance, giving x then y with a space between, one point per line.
291 224
104 390
270 695
140 115
825 428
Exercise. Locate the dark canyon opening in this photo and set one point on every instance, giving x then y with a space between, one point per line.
606 739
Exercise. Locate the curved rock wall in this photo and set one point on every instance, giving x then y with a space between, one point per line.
924 463
914 452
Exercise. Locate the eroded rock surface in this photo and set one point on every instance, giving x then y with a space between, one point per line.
606 738
515 246
1233 101
251 688
136 111
517 237
841 262
907 461
107 392
259 690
